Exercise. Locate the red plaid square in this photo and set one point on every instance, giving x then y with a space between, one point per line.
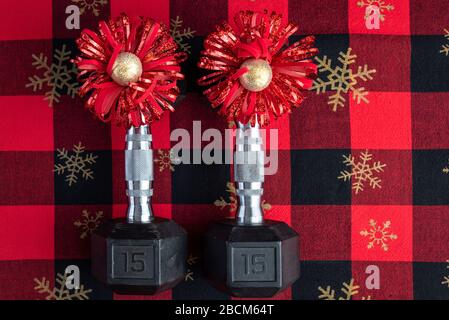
194 13
428 17
27 178
157 10
26 19
382 124
74 124
378 52
430 233
31 237
17 278
324 231
429 120
381 233
314 125
38 119
333 16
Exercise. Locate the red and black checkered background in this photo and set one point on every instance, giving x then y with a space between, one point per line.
405 125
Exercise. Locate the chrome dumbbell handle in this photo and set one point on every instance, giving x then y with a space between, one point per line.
249 173
139 174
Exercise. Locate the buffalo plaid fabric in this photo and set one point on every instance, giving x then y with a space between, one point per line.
366 186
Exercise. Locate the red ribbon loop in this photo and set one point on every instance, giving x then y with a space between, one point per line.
257 49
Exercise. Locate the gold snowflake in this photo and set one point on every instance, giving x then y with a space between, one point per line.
88 223
166 160
92 5
445 169
57 76
378 3
445 47
446 278
348 290
342 79
189 276
75 164
181 35
191 260
362 171
378 234
233 202
60 292
446 281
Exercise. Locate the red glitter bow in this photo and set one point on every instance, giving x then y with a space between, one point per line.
139 102
259 36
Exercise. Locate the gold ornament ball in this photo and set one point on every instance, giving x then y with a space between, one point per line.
258 76
127 68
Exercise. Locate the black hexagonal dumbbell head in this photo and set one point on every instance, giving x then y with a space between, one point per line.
251 260
139 258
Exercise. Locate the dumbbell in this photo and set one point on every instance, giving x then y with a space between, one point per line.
140 254
250 256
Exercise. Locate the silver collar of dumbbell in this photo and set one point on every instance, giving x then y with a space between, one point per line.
249 159
139 174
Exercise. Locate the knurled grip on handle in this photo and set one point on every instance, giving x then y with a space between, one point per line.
139 174
139 165
249 175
